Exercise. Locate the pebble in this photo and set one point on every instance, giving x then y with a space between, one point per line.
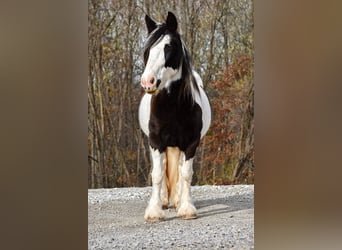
225 224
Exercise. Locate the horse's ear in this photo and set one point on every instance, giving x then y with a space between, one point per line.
151 25
171 21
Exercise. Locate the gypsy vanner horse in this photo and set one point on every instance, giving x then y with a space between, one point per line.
175 114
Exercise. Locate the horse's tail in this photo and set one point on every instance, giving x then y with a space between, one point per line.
172 172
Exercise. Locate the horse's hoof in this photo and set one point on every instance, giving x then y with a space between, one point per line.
187 212
188 217
154 219
153 214
176 204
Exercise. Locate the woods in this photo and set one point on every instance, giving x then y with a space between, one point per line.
219 37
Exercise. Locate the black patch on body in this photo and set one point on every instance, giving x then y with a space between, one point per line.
174 121
173 53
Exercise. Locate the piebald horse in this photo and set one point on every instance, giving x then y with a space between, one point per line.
175 114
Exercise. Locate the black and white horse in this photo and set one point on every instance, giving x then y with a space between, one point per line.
174 114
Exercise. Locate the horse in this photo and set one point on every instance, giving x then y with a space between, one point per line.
175 114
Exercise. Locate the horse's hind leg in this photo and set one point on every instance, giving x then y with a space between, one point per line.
164 194
187 209
173 156
154 210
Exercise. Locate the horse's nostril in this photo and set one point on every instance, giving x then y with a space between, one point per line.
152 80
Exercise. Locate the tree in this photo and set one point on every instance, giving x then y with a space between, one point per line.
215 33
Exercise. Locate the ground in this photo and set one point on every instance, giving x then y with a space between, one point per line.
225 220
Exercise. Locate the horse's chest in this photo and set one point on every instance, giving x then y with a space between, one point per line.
172 121
172 125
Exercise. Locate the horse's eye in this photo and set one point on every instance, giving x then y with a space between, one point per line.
168 48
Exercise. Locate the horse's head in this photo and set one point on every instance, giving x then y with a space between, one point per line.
164 55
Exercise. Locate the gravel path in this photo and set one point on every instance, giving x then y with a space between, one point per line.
225 220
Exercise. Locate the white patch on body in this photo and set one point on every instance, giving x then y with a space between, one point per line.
202 100
144 113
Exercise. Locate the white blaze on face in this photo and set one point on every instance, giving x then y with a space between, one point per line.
155 66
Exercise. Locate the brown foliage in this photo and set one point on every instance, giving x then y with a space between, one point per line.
230 141
214 33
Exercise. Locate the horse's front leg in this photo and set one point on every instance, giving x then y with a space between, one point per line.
154 210
187 209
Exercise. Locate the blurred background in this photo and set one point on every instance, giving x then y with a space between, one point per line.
219 37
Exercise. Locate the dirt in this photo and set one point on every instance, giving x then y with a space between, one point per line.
225 220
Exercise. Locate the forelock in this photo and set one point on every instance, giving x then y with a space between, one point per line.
154 36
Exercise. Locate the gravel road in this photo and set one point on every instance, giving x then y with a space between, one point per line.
225 220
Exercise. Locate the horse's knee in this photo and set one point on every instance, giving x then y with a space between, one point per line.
157 175
187 171
158 168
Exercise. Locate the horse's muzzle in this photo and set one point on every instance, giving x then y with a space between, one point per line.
150 85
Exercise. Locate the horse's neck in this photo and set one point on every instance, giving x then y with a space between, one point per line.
176 88
175 97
